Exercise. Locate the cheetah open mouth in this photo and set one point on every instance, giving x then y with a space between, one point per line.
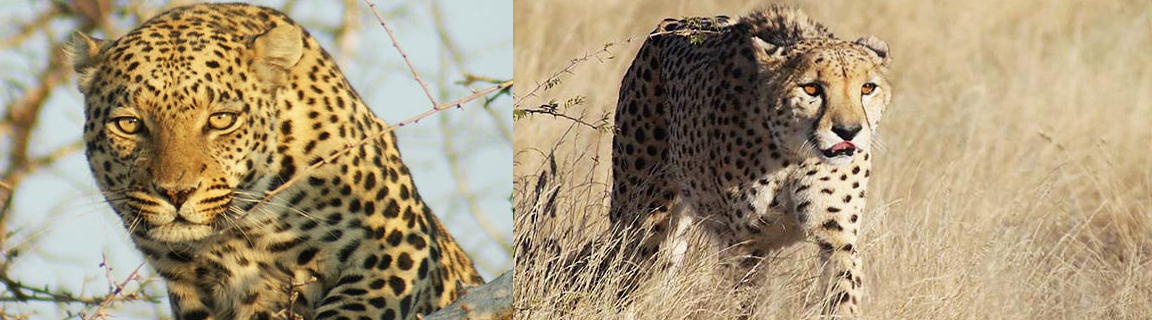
844 148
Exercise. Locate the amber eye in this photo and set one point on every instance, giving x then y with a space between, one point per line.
868 88
811 89
222 120
128 125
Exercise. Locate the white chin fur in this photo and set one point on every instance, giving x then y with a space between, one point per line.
179 232
837 160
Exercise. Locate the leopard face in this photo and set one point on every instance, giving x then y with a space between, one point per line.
175 135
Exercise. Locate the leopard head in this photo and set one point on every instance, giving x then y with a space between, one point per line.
180 121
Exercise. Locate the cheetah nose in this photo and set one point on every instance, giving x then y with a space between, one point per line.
846 133
175 197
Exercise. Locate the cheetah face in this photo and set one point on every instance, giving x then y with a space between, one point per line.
833 100
180 127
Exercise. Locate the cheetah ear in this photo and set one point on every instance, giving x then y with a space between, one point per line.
83 53
275 52
768 54
879 47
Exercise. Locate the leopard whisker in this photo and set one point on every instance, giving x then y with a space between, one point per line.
276 204
233 224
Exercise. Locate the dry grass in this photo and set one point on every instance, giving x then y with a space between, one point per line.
1015 183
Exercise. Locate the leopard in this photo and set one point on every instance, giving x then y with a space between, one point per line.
251 175
758 131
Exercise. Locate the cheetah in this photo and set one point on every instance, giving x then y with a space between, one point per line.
225 138
759 131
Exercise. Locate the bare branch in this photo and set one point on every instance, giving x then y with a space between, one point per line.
469 197
347 32
117 290
452 57
20 292
25 31
555 78
554 113
402 54
491 301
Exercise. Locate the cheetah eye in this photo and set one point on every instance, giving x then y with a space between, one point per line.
868 88
222 120
127 125
811 89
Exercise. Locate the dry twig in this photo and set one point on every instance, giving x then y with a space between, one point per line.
402 54
117 289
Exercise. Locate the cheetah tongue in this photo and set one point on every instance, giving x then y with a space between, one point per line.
840 149
842 146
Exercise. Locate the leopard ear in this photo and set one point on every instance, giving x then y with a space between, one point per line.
275 52
83 53
768 54
879 47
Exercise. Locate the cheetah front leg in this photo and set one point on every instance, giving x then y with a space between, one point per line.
642 210
829 202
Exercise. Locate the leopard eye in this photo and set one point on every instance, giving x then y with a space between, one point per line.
811 89
222 120
868 88
127 125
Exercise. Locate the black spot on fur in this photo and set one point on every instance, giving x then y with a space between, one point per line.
396 284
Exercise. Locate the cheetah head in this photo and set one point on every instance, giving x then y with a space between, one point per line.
830 94
180 122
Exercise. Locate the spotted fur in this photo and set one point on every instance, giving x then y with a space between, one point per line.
758 130
193 117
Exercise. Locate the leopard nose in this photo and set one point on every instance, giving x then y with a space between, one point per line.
845 132
175 195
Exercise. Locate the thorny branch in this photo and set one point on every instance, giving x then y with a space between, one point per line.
554 112
453 52
17 124
554 79
459 173
20 292
554 109
600 55
603 54
402 54
118 290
